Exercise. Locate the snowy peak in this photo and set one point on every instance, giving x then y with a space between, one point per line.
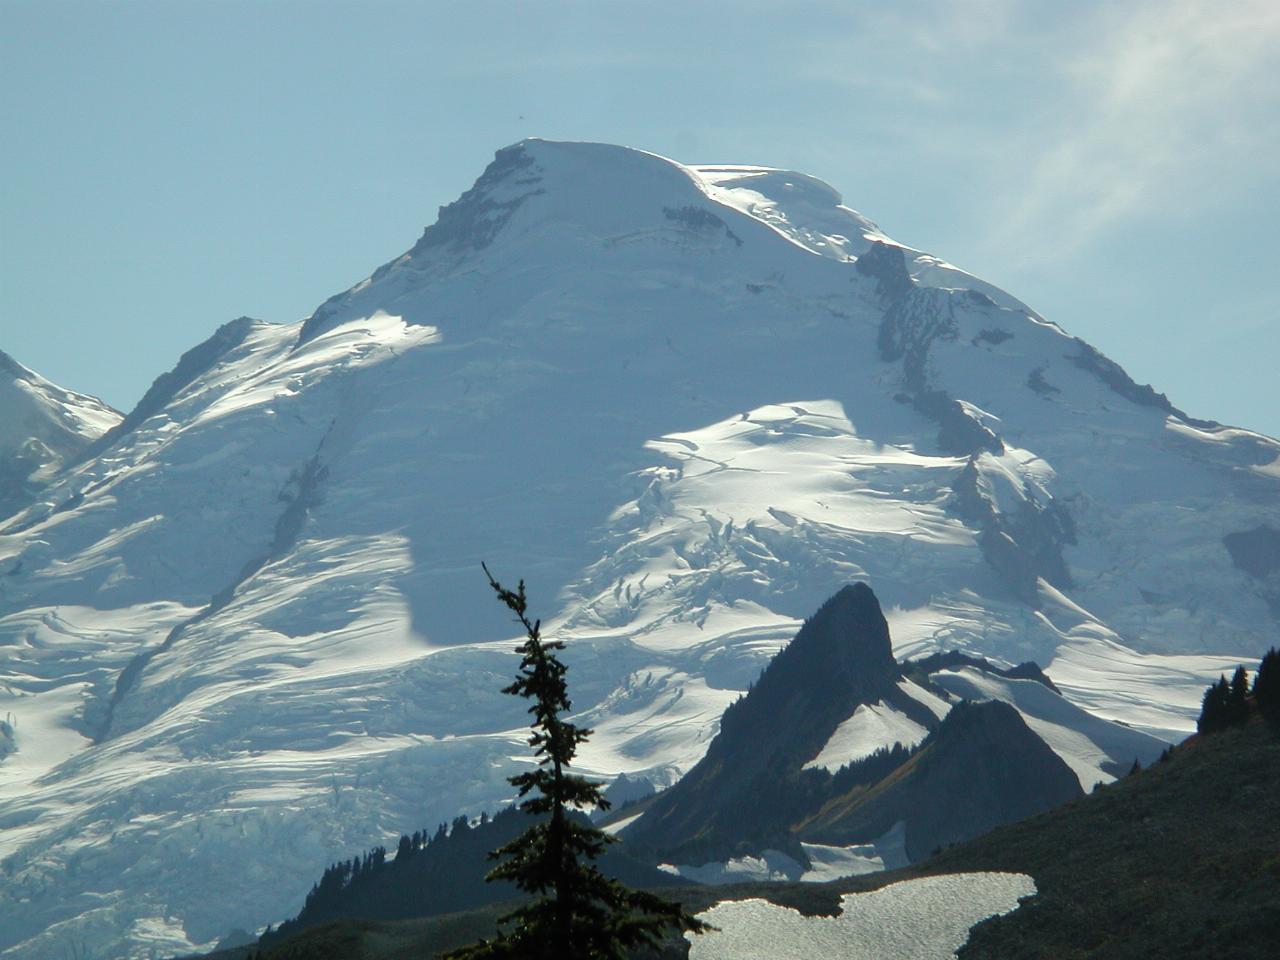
840 660
537 189
42 426
611 199
72 417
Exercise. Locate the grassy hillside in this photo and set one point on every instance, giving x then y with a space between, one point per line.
1179 860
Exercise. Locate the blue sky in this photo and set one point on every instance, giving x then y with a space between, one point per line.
169 166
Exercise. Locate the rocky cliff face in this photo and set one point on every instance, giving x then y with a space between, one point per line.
751 783
756 787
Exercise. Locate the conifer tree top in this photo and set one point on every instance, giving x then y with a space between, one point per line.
578 913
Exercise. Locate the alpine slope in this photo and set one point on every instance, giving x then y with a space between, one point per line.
245 632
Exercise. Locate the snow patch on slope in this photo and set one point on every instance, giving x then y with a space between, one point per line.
876 726
887 852
933 703
924 919
1153 693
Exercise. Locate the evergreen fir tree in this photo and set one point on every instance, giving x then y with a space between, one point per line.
577 913
1266 684
1214 709
1237 702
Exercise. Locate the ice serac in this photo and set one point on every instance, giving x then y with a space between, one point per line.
42 426
687 404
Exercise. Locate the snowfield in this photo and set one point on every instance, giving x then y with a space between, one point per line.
925 919
249 635
872 727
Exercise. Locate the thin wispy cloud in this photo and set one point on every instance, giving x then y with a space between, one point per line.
1168 107
1063 123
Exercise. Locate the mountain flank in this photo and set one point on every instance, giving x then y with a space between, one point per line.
1179 861
689 402
982 767
979 767
752 776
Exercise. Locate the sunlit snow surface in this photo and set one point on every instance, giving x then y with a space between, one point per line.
872 727
925 919
887 852
35 412
657 394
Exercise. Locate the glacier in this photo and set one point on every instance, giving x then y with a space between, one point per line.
245 631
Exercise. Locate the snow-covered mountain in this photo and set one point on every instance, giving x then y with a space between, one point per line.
249 635
42 427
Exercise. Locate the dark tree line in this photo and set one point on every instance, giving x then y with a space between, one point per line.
1228 703
872 768
371 885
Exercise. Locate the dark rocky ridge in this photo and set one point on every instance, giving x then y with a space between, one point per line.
914 318
1022 546
982 767
919 670
469 223
1144 395
887 265
751 779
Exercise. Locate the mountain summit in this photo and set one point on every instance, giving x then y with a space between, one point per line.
839 662
42 427
687 404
